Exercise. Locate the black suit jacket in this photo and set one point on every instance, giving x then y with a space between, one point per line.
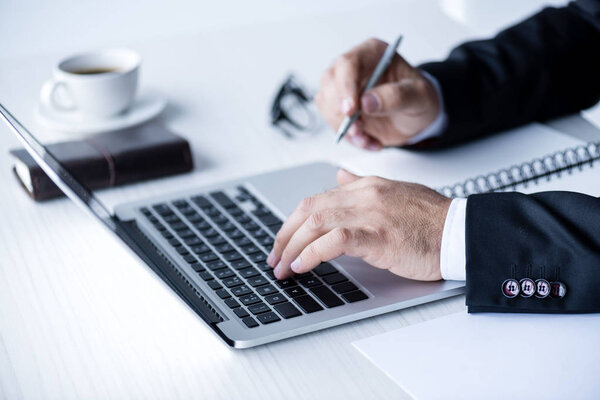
541 68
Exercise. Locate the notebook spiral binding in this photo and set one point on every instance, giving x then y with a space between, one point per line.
548 167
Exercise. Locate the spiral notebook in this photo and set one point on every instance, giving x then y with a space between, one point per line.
529 159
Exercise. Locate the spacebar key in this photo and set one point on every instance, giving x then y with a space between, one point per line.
307 304
327 296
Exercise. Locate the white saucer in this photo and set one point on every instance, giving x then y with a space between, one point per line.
146 107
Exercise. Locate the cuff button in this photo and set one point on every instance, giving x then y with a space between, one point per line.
542 288
510 288
527 287
558 290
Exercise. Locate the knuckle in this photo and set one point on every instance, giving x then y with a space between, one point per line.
312 253
343 235
316 220
306 204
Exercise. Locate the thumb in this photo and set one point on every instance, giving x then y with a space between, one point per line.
394 96
344 177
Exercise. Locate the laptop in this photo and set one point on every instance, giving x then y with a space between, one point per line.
210 245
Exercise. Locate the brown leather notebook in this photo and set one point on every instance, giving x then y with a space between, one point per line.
108 159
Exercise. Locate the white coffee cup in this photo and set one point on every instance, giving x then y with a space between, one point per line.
94 85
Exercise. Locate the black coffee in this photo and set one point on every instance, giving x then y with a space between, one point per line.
94 71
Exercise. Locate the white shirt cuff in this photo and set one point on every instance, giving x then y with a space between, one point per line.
453 260
436 128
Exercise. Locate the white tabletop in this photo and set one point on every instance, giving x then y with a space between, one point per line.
82 318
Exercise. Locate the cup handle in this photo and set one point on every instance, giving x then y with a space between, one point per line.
49 99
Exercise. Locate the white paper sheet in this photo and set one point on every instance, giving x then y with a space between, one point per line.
493 356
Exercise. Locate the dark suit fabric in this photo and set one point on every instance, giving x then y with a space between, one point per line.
543 67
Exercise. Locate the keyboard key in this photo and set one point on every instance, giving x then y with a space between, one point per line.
324 269
287 310
145 211
180 203
275 298
250 322
248 272
286 283
219 219
215 265
267 318
224 247
233 281
271 275
227 226
201 201
326 296
249 299
334 278
266 241
259 308
183 251
240 264
266 290
179 226
241 290
193 241
211 211
260 209
263 266
257 257
231 256
242 219
250 226
190 259
232 303
295 291
257 281
224 273
275 228
174 242
236 233
214 285
171 219
222 199
309 282
201 225
307 304
222 293
357 295
216 240
208 257
242 241
197 267
249 249
162 209
167 235
269 219
205 275
195 217
344 287
258 233
235 211
240 312
186 233
200 249
209 232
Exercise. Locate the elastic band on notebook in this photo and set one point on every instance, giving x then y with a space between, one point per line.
111 163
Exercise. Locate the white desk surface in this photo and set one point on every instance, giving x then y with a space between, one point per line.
82 318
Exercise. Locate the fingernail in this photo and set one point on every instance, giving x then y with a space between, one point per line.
277 269
271 258
347 105
359 140
295 265
370 102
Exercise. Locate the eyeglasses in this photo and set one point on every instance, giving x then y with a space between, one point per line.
293 111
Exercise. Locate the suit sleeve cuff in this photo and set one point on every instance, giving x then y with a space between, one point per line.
437 127
452 256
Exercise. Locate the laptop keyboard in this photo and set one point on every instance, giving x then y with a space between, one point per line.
225 238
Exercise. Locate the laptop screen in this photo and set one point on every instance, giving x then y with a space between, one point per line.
57 172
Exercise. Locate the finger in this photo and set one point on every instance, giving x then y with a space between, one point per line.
407 94
347 81
345 177
372 143
308 206
333 244
315 226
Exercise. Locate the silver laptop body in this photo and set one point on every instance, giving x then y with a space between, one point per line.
220 296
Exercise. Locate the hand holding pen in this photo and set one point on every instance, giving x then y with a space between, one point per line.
400 104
